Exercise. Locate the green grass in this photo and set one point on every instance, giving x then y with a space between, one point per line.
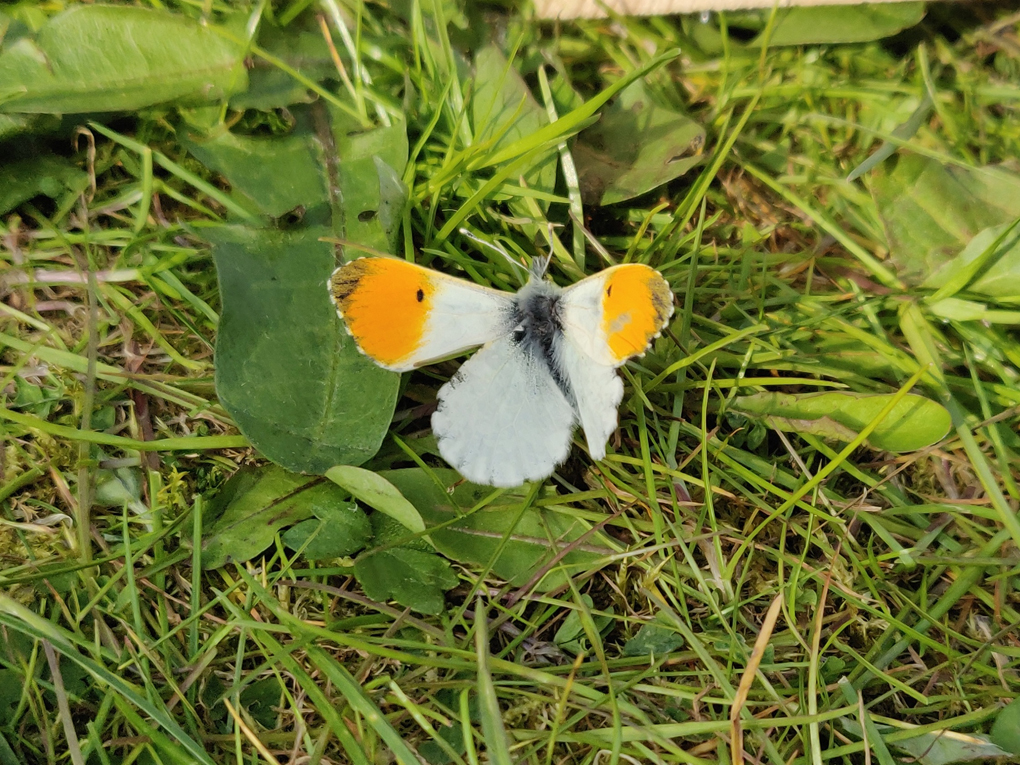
805 588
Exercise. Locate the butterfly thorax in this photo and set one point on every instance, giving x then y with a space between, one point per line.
536 313
538 326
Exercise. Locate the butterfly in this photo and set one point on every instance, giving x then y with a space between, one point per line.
547 363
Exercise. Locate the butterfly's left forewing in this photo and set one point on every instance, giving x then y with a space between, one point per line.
608 318
403 316
615 314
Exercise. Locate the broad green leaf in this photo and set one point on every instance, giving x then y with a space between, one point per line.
957 309
1006 730
121 487
260 503
33 398
931 211
212 696
7 754
655 639
371 164
833 668
902 132
940 747
388 531
571 636
335 531
285 369
410 573
564 97
118 487
637 146
378 493
278 174
55 577
837 355
842 23
433 753
453 733
285 172
914 423
946 747
292 379
535 536
239 484
571 628
11 686
98 58
997 277
269 87
503 110
16 124
413 578
20 647
46 175
262 699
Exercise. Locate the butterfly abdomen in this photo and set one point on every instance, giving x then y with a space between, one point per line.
538 329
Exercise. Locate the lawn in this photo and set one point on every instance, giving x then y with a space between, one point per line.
226 536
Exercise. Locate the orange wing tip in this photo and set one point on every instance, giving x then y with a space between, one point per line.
384 303
637 303
335 279
343 282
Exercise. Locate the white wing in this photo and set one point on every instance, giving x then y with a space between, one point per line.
502 420
608 318
616 313
463 316
402 315
597 390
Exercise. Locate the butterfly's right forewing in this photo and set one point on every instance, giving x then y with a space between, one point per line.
607 319
615 314
403 316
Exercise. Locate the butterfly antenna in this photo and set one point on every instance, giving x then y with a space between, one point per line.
594 243
491 246
540 265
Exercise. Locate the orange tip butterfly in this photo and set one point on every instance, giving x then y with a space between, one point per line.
547 363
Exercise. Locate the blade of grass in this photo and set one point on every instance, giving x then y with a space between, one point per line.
497 742
185 443
19 619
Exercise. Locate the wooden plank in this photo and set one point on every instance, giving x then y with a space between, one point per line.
592 9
